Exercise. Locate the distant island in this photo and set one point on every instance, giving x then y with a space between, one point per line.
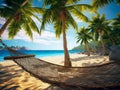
15 48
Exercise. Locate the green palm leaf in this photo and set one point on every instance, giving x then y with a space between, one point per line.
24 16
13 28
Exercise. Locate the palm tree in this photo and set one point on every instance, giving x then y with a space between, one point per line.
19 15
83 36
116 22
99 27
115 32
101 3
60 13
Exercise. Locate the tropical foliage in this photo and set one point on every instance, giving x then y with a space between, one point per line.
107 30
115 32
83 36
102 3
99 27
60 13
19 15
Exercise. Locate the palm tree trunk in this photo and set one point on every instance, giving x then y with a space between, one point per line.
111 39
113 42
10 19
6 24
67 62
103 45
88 50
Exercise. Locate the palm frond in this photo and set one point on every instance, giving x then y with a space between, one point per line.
26 26
118 2
45 19
80 7
37 10
49 16
103 17
83 35
100 3
72 1
30 16
14 28
58 28
79 15
49 2
71 21
30 13
28 30
6 11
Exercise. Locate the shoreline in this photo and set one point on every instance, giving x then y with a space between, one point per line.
78 60
39 53
14 77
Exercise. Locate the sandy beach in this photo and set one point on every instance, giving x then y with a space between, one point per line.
13 77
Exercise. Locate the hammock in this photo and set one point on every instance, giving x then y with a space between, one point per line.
74 78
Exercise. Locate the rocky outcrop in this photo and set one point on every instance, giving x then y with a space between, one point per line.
115 53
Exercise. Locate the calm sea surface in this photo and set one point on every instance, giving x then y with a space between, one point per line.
38 53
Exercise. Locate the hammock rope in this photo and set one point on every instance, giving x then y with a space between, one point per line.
73 78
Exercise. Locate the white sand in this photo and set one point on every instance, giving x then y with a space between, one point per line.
15 78
79 60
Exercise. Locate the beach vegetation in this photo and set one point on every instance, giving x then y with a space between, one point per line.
61 13
83 37
98 27
19 15
110 34
115 31
102 3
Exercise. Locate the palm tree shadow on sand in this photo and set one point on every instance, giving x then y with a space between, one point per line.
12 78
85 58
6 76
90 60
52 87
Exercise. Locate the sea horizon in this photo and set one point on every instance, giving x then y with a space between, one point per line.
38 53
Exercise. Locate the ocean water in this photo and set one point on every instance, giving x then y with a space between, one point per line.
38 53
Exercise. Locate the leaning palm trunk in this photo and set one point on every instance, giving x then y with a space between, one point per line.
67 62
103 45
6 23
87 48
11 18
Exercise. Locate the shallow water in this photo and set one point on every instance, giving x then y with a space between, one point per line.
38 53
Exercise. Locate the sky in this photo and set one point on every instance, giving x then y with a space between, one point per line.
48 40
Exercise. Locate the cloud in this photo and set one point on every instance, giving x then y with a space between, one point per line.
46 38
2 20
47 34
5 35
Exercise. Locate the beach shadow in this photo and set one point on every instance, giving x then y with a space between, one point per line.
11 87
13 77
52 87
7 73
84 58
2 67
6 76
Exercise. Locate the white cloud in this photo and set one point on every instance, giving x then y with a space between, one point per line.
5 35
46 38
2 20
47 34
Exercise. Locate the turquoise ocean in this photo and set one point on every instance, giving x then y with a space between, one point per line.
38 53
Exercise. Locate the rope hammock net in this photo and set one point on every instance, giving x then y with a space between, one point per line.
100 76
